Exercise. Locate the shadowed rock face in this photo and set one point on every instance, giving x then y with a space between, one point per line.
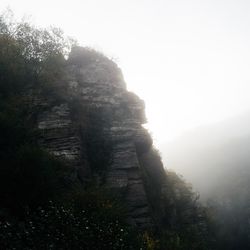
100 115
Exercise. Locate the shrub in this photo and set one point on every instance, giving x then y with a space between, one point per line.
70 226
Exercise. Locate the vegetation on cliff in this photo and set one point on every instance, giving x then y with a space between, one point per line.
40 207
38 210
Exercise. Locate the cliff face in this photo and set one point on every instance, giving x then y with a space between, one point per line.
78 110
99 132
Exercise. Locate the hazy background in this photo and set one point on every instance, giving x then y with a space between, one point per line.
214 158
189 61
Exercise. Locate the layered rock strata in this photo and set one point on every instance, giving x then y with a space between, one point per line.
97 88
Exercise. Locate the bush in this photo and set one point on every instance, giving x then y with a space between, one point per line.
70 226
29 179
185 221
31 65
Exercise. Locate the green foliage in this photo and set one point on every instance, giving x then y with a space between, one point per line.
36 44
88 221
31 58
185 220
28 175
230 221
29 179
31 66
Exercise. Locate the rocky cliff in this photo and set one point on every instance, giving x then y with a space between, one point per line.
99 132
76 164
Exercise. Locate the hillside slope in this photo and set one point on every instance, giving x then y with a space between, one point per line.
77 169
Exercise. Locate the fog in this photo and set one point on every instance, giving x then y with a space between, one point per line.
214 158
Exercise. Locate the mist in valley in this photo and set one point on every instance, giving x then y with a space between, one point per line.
215 159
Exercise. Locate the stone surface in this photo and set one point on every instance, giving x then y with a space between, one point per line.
58 134
97 84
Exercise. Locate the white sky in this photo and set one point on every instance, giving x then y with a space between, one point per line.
188 59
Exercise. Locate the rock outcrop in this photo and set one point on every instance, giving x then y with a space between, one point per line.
99 131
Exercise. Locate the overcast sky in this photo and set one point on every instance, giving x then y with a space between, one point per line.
188 59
